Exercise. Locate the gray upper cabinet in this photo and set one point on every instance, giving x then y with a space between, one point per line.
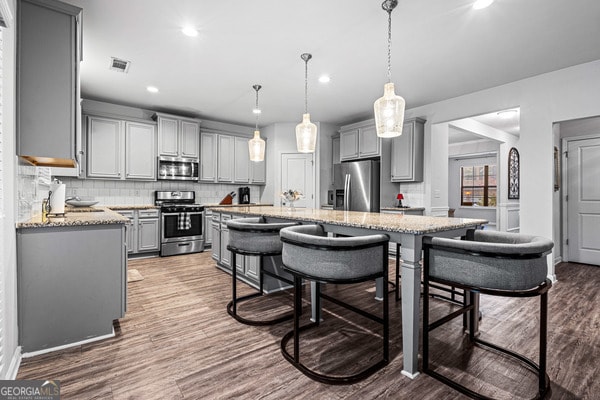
140 150
258 172
241 161
104 142
48 56
225 157
208 157
407 152
178 136
335 146
359 141
120 149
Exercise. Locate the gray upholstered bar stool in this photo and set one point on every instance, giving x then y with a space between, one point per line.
492 263
254 237
309 254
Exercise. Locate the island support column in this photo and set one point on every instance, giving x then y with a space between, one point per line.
411 295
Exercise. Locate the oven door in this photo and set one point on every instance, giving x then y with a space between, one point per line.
171 231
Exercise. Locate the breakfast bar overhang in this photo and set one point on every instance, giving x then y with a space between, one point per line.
407 230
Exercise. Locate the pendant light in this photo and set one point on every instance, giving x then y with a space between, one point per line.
306 131
389 109
256 145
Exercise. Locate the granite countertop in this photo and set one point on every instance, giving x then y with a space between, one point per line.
211 206
413 224
81 217
132 207
402 209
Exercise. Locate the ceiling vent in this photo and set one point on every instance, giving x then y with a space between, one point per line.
119 65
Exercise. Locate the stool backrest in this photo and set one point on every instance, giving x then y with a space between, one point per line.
489 259
308 251
255 235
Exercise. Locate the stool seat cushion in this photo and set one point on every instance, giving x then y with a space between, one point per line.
494 260
308 251
254 235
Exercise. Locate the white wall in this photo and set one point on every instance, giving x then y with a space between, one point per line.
282 139
8 259
557 96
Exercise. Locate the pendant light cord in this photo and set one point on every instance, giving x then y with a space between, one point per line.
306 57
389 60
306 86
257 110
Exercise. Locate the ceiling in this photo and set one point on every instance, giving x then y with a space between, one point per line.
441 49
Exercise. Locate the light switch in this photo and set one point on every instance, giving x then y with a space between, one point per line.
436 193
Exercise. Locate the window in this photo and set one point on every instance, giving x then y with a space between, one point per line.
478 186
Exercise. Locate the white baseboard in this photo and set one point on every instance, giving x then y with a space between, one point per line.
558 260
15 363
66 346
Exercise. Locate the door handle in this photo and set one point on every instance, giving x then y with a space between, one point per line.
347 193
184 244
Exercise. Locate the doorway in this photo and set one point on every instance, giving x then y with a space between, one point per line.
582 199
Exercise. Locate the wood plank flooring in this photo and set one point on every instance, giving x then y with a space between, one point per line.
178 342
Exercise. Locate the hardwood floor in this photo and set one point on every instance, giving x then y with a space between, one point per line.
178 342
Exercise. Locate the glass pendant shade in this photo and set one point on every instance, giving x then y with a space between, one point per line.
306 135
256 146
389 113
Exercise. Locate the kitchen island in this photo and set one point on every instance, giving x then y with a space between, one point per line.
72 278
407 230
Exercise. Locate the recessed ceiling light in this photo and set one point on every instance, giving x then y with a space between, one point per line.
189 31
479 4
324 79
256 110
152 89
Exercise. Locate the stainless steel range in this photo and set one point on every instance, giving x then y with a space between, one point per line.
182 222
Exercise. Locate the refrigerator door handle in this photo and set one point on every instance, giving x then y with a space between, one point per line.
347 193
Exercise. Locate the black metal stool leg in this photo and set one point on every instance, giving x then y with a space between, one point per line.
397 271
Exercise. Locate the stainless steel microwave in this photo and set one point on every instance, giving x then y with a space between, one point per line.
176 168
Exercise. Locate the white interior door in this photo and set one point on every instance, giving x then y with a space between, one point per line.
583 204
297 174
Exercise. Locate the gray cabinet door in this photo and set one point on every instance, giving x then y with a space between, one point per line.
189 139
349 145
216 239
168 136
148 234
104 141
140 151
47 78
407 153
251 267
225 158
368 142
225 254
335 146
258 171
208 232
241 161
208 157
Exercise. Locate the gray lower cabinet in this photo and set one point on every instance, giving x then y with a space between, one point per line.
72 283
247 267
407 152
143 232
207 228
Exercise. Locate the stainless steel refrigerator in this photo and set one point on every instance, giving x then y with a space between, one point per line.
356 186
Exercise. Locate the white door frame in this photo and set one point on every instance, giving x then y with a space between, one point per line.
309 202
563 191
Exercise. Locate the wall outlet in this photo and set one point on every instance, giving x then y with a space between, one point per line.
74 191
136 192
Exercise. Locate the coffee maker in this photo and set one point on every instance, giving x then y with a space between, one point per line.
244 195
